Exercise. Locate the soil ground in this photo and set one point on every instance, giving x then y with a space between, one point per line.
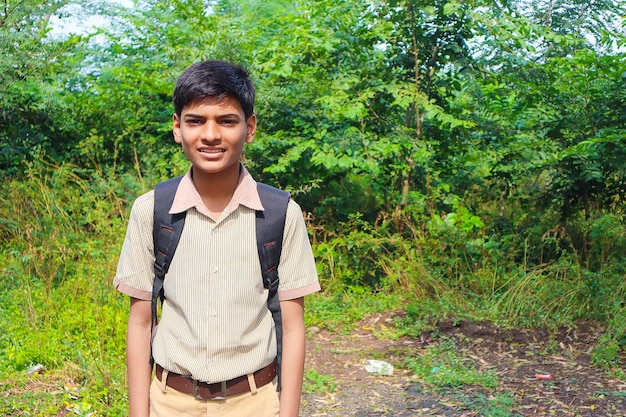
576 387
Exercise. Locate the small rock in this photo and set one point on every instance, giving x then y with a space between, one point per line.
313 329
35 369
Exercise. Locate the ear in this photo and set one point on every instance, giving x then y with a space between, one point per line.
176 128
250 128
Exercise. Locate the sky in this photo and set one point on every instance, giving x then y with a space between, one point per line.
76 20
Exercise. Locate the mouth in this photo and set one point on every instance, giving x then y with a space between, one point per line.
212 151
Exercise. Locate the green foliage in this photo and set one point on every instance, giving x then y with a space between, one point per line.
35 71
544 297
420 317
315 383
58 307
340 310
440 366
608 352
498 405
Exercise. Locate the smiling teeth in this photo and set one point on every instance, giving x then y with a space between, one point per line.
211 151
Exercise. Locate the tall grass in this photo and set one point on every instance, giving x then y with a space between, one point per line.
60 237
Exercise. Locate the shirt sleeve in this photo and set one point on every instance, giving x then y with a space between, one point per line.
297 271
135 268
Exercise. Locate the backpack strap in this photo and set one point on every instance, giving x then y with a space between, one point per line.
270 227
166 231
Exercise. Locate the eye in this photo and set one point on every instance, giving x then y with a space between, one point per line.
229 122
193 121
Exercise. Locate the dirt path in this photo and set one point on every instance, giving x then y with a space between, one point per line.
575 389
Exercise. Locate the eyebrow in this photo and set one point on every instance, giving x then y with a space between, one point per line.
220 116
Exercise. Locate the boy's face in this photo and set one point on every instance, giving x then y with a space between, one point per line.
212 133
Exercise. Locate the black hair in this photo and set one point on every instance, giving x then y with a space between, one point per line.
221 79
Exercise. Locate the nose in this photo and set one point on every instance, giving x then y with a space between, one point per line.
211 131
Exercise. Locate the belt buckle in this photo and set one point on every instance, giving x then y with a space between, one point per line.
197 395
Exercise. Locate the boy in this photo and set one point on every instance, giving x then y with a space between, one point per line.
215 326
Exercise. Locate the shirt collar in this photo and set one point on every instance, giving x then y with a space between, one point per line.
246 194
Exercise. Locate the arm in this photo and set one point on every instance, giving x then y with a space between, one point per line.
293 356
138 357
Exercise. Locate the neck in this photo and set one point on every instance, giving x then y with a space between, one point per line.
216 189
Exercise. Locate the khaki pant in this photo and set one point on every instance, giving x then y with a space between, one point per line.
167 402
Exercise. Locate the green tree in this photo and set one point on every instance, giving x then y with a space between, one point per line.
550 123
347 94
35 71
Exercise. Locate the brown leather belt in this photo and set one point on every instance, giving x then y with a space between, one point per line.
218 390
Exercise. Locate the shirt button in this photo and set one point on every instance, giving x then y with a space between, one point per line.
215 269
213 313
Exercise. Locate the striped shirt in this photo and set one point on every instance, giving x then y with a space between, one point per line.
215 324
